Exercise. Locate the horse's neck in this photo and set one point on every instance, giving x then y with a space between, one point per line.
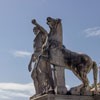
59 32
56 33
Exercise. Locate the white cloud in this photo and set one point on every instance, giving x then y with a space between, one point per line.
68 87
10 90
91 32
21 53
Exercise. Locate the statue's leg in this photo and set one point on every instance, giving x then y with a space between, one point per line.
34 77
50 77
36 83
41 71
46 79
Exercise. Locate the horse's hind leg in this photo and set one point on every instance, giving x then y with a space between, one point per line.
83 78
85 81
77 74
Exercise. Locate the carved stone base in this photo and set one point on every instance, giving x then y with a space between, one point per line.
66 97
77 90
59 80
60 90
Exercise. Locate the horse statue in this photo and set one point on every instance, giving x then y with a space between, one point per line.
80 64
42 72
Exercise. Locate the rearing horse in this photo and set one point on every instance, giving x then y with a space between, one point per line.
79 64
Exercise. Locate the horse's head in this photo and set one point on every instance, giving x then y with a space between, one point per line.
53 22
55 26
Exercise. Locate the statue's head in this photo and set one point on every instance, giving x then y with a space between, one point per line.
53 22
36 30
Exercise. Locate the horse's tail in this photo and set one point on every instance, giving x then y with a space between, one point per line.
95 73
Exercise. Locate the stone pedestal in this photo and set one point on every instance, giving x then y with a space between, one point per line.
59 72
60 87
66 97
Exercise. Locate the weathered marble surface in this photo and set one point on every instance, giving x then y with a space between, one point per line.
50 48
66 97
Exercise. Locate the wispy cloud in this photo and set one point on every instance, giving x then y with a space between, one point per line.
68 87
21 53
91 32
10 90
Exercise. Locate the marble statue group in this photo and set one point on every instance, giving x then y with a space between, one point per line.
51 57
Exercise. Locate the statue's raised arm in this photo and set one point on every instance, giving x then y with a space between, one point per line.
44 32
39 26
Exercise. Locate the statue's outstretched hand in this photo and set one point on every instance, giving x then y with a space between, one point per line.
34 22
29 67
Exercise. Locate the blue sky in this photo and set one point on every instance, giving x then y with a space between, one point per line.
81 33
